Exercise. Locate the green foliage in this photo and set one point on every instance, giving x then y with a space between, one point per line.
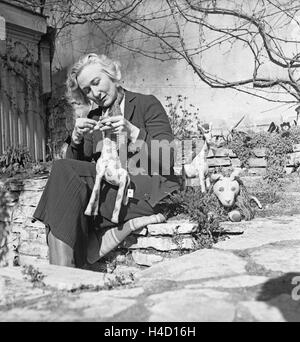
13 159
204 209
33 274
184 119
4 231
17 162
277 147
242 146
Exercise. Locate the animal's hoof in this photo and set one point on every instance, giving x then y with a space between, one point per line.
87 213
114 220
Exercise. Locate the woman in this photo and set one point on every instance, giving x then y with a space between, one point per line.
73 237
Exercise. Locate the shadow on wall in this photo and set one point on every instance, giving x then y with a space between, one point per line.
283 293
60 121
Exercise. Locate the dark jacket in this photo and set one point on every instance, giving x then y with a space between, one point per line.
146 113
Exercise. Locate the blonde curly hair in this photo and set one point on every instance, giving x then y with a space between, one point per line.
109 67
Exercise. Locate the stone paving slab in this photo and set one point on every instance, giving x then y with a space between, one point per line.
20 291
249 277
282 256
205 263
190 306
100 306
242 281
280 309
63 278
263 231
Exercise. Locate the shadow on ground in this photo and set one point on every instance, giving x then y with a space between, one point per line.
283 293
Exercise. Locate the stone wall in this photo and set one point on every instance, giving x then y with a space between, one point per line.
143 248
151 244
225 158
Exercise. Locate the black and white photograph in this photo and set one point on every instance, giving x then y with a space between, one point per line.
149 163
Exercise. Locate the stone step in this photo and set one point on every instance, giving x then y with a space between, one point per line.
163 244
169 228
146 259
33 184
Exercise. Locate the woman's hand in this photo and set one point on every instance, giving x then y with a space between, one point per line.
118 124
82 126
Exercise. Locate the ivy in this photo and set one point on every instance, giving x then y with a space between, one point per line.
4 228
277 147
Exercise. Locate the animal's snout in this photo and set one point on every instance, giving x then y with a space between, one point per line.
228 202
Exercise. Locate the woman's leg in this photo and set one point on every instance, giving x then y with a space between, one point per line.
114 236
61 208
60 253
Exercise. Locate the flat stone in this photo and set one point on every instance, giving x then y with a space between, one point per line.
63 278
27 184
20 291
261 311
232 227
224 152
17 225
30 198
33 235
34 249
257 162
172 228
146 259
263 231
289 307
96 306
284 257
235 162
125 293
29 260
190 306
26 315
219 162
231 282
163 243
22 212
205 263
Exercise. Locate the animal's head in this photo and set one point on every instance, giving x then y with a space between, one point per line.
226 188
206 130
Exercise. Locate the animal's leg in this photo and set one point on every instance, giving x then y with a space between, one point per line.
125 198
93 205
119 199
202 181
207 181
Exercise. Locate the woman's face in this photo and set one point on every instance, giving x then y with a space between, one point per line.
97 86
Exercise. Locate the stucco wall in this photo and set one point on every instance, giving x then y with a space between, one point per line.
171 78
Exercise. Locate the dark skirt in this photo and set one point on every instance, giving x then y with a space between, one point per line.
64 200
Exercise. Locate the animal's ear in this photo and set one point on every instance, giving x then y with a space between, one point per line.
201 129
216 176
236 172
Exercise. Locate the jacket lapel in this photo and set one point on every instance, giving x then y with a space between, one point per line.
130 104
